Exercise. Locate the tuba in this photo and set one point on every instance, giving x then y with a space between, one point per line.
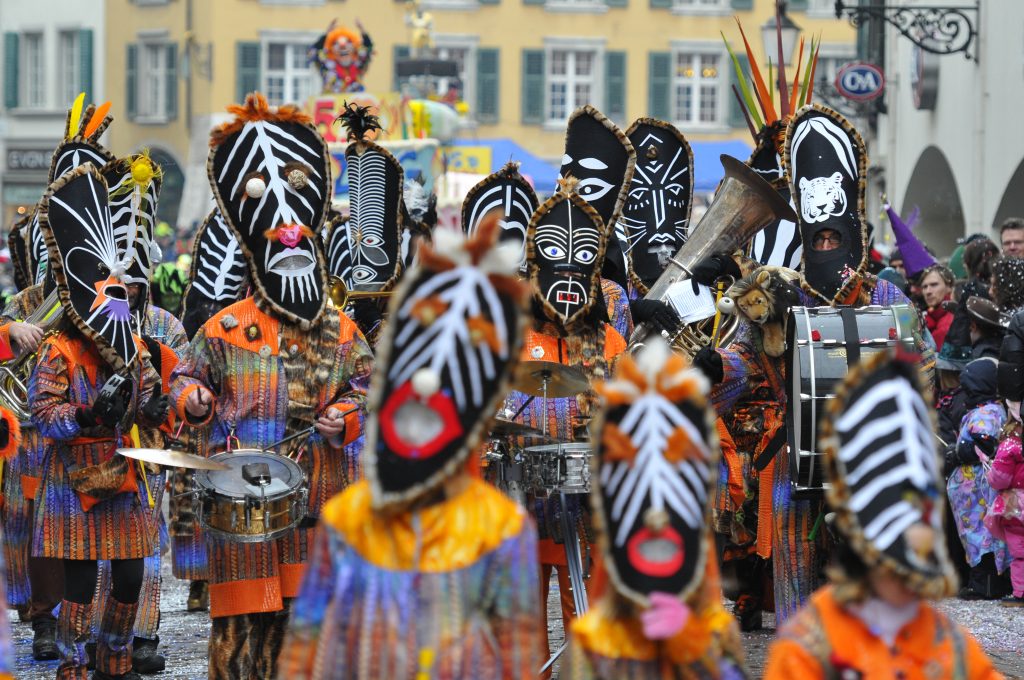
14 373
743 205
340 294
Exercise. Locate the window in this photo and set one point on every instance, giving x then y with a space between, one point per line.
691 6
572 81
33 72
69 78
576 5
288 77
153 72
822 8
462 87
698 86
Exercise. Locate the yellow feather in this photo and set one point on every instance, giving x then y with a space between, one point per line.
76 115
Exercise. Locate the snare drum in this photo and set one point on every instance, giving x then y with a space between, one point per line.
260 497
822 344
557 467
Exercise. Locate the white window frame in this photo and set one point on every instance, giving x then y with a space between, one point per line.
68 71
153 3
834 51
687 7
26 80
299 40
821 9
576 6
551 45
457 5
471 44
146 113
700 48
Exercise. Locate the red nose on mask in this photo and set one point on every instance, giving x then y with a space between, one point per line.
288 235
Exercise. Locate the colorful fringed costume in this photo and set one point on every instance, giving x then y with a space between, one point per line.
10 439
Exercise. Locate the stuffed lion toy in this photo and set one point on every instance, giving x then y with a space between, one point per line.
764 297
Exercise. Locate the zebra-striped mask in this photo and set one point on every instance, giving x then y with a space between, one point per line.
657 458
271 177
133 217
508 194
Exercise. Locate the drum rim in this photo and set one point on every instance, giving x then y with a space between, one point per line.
203 481
572 447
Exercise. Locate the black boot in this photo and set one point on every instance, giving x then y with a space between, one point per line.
44 642
198 596
90 654
130 675
145 658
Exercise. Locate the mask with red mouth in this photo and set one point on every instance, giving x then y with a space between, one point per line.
565 245
271 177
454 331
657 461
74 218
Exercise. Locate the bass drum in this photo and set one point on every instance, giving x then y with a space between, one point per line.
822 344
259 497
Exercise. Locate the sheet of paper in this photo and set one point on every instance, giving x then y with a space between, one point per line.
690 306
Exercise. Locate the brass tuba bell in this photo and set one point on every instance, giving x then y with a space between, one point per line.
340 295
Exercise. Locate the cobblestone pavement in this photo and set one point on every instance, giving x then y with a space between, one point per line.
184 636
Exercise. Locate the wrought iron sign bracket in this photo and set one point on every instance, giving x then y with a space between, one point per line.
940 30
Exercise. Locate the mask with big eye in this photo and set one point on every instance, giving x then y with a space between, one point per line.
656 471
565 246
271 178
600 156
656 215
133 218
507 193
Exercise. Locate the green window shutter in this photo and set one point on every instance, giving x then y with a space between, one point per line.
615 86
399 53
799 5
247 69
487 90
11 70
743 4
131 79
172 81
659 82
661 4
533 87
736 117
616 3
534 2
488 2
85 64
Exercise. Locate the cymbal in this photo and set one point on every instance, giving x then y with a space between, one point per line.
169 458
510 428
562 380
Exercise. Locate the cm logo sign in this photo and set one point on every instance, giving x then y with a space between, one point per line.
860 81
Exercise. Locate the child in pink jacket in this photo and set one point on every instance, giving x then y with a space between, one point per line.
1005 520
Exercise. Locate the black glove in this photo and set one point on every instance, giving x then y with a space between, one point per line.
155 410
660 314
109 410
966 454
84 417
951 461
709 362
707 270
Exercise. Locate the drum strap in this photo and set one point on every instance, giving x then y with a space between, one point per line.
852 337
771 450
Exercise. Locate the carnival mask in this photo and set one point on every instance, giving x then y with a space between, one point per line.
453 334
565 245
656 468
80 145
656 214
505 193
134 187
827 166
885 480
598 154
217 276
778 244
88 270
271 178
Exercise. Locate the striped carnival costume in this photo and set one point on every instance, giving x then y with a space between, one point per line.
270 366
421 569
10 438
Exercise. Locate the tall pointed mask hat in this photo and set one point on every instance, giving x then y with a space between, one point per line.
507 194
657 464
80 144
827 164
365 249
885 479
916 257
218 273
134 188
454 332
18 246
565 244
39 256
270 174
74 217
656 215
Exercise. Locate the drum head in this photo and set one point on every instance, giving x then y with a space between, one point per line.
555 449
285 474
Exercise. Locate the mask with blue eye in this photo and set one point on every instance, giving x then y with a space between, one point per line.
565 246
656 215
599 155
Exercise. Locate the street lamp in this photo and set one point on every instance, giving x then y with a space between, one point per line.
770 34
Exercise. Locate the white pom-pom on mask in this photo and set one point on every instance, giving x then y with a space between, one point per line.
255 187
426 383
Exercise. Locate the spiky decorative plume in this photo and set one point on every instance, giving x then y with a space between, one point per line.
358 121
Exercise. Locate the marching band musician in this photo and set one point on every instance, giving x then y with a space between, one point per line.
279 363
661 614
38 580
422 569
10 439
92 380
876 619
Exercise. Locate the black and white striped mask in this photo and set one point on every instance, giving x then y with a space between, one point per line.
217 276
507 193
271 177
133 217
